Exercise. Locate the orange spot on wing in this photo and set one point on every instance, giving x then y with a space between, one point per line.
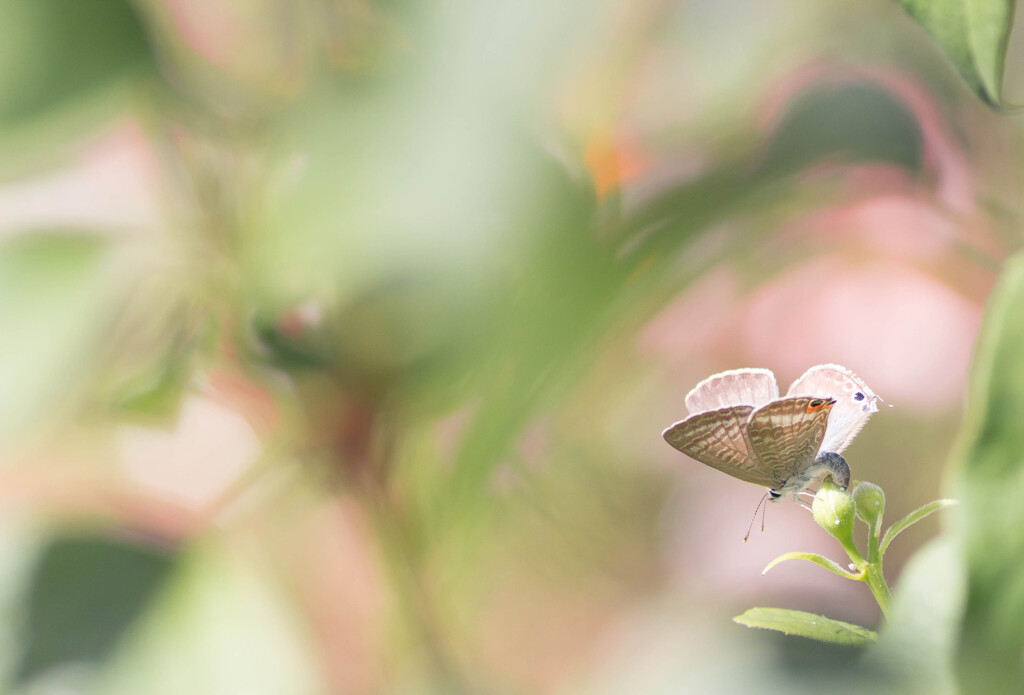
824 404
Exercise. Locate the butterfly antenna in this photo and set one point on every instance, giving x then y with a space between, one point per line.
756 510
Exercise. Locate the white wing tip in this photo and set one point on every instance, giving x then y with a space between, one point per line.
830 365
730 372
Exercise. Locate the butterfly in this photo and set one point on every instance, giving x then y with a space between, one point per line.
739 425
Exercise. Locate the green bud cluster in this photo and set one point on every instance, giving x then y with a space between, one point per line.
870 501
834 510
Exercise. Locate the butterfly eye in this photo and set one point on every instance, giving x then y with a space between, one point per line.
858 396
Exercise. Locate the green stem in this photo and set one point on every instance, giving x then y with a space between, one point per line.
415 603
876 582
834 511
873 575
854 552
871 571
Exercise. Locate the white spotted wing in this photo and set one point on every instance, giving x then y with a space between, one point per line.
855 402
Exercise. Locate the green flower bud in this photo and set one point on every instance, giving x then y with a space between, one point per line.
870 501
834 511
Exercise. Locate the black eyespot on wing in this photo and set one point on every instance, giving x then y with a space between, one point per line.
858 396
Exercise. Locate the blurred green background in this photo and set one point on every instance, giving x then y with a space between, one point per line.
337 337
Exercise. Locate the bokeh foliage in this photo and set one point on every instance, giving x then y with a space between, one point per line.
990 468
391 229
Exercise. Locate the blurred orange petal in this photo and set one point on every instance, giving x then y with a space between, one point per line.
612 161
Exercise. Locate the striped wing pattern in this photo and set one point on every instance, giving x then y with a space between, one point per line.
785 435
719 439
753 387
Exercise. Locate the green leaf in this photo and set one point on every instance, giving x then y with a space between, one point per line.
63 67
830 565
56 50
973 34
989 461
916 647
229 621
850 122
810 625
84 594
858 121
150 375
911 519
55 297
156 392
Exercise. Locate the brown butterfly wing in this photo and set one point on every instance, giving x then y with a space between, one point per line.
785 435
718 439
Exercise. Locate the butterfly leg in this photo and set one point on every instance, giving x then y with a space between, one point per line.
806 499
